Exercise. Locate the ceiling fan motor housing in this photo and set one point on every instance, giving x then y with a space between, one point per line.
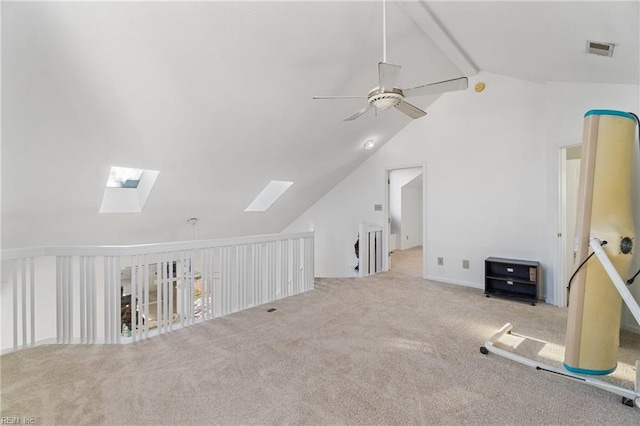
385 100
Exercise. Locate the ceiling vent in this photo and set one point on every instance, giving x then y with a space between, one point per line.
601 49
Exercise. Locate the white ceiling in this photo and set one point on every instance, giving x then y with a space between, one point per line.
546 40
217 96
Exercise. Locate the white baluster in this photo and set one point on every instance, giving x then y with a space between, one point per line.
162 293
115 298
137 299
82 290
283 268
223 280
24 301
107 311
135 293
32 293
188 301
14 288
66 337
91 300
145 296
239 282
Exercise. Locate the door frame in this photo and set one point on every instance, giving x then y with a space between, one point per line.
387 217
561 296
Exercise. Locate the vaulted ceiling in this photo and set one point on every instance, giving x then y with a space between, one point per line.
217 96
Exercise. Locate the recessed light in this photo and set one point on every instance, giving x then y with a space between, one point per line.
369 144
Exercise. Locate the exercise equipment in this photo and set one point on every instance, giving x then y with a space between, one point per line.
604 211
604 226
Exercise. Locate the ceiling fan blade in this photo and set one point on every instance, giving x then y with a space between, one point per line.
437 88
359 113
410 110
388 75
339 97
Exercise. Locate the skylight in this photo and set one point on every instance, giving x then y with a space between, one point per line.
124 177
268 196
127 190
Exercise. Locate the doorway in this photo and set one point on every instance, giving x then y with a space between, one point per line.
570 159
405 222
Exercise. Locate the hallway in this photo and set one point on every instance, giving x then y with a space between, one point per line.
407 262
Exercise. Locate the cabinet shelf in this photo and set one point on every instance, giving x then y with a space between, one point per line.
519 281
513 278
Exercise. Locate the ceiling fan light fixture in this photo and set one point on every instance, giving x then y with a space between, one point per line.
385 104
387 95
384 101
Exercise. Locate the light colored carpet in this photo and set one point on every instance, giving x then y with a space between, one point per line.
407 262
386 349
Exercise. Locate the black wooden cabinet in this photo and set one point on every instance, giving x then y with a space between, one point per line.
512 278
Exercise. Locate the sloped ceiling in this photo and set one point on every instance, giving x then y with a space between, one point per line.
217 96
546 41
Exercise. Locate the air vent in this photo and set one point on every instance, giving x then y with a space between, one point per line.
601 49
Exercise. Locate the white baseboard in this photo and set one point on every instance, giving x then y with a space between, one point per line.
456 282
50 341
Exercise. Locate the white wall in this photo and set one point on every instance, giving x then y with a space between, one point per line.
485 179
411 223
492 177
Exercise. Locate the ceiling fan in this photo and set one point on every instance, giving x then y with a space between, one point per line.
387 95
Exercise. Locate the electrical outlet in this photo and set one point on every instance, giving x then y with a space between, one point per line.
441 261
465 264
407 237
